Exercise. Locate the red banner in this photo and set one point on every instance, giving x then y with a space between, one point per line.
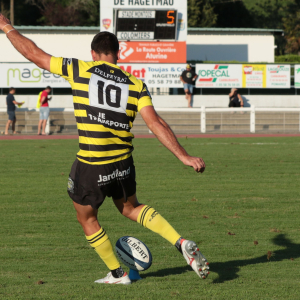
153 52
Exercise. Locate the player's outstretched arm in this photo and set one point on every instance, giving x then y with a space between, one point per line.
25 46
166 136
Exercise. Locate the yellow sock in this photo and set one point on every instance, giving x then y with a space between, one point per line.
102 245
151 219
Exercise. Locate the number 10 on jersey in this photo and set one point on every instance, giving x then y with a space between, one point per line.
108 94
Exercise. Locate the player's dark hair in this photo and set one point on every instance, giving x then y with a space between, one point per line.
12 89
105 43
48 88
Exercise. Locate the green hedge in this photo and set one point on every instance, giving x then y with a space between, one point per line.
289 58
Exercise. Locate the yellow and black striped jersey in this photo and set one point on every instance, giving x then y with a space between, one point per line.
106 100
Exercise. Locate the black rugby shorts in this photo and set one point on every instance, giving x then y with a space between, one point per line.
90 184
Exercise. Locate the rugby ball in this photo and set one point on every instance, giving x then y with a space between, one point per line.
133 253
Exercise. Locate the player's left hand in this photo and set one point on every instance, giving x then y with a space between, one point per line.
3 21
196 162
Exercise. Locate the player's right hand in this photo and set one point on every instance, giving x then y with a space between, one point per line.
3 21
196 162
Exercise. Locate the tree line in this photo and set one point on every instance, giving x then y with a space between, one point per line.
271 14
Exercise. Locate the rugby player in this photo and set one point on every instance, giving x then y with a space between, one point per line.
106 101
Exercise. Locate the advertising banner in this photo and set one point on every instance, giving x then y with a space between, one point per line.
164 75
156 75
153 52
137 70
218 76
28 75
297 76
278 76
254 76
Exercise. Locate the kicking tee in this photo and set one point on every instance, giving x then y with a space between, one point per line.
106 101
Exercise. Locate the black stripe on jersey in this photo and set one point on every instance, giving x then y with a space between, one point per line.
76 77
114 120
133 94
102 148
131 107
106 123
64 68
102 135
101 159
108 72
80 93
143 94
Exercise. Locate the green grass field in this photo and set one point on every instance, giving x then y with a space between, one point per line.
243 211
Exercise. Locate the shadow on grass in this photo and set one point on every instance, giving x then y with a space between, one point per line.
229 270
167 272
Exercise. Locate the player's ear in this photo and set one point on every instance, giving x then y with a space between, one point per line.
118 54
93 55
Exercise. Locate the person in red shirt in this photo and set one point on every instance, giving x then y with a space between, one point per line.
44 110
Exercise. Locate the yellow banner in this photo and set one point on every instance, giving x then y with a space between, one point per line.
254 76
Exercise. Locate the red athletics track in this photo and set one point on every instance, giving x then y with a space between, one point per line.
209 136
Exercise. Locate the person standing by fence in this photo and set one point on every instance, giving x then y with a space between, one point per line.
11 110
44 110
188 78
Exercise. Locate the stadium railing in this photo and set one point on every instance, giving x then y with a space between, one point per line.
181 120
255 119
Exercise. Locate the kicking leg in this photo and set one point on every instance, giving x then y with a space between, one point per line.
98 239
151 219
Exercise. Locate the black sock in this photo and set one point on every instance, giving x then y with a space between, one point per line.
178 245
117 273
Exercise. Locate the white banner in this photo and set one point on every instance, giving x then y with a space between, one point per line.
297 76
164 75
28 75
219 76
156 75
278 76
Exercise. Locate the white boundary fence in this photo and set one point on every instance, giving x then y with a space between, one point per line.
203 116
203 110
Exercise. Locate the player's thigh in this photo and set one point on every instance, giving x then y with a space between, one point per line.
85 212
83 186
